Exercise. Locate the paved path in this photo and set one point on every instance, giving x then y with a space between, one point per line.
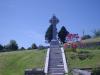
55 66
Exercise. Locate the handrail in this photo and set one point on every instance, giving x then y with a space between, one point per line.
47 61
64 61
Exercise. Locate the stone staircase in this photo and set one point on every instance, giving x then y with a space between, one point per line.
56 66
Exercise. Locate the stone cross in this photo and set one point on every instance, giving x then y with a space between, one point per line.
53 22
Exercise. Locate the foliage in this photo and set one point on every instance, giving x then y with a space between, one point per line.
62 34
22 48
97 33
48 34
34 46
98 47
29 48
6 47
96 71
1 47
13 45
86 37
84 54
41 47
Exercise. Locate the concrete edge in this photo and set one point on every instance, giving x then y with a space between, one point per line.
64 61
47 61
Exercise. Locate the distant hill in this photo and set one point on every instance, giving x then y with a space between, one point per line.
91 40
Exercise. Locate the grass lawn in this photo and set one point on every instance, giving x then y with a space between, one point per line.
14 63
87 63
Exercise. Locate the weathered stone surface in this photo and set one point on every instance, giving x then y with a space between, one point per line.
37 71
56 66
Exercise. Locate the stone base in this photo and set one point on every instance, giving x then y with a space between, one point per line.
34 72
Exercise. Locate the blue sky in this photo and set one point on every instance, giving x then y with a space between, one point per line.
26 21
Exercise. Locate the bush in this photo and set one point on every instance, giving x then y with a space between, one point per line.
98 47
70 50
84 54
41 47
86 37
73 56
96 71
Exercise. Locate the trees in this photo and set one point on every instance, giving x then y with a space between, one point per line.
22 48
62 34
49 35
1 47
34 46
97 33
41 47
13 45
86 37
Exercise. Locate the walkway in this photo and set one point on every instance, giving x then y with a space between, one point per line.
55 65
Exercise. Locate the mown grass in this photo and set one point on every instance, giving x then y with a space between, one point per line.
86 63
14 63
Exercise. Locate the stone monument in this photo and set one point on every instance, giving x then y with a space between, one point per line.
54 21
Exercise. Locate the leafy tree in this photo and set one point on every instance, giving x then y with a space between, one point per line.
11 46
6 47
41 47
86 37
1 47
97 33
34 46
48 34
62 34
29 48
22 48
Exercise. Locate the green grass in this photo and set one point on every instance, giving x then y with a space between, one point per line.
87 63
14 63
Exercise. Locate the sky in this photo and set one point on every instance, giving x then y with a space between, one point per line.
26 21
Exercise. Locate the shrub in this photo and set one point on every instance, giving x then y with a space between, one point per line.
41 47
96 71
98 47
84 54
73 56
86 37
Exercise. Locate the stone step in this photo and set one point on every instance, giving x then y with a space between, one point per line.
59 70
56 74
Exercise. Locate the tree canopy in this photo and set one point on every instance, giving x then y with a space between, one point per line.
97 33
86 37
49 33
34 46
1 47
62 34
